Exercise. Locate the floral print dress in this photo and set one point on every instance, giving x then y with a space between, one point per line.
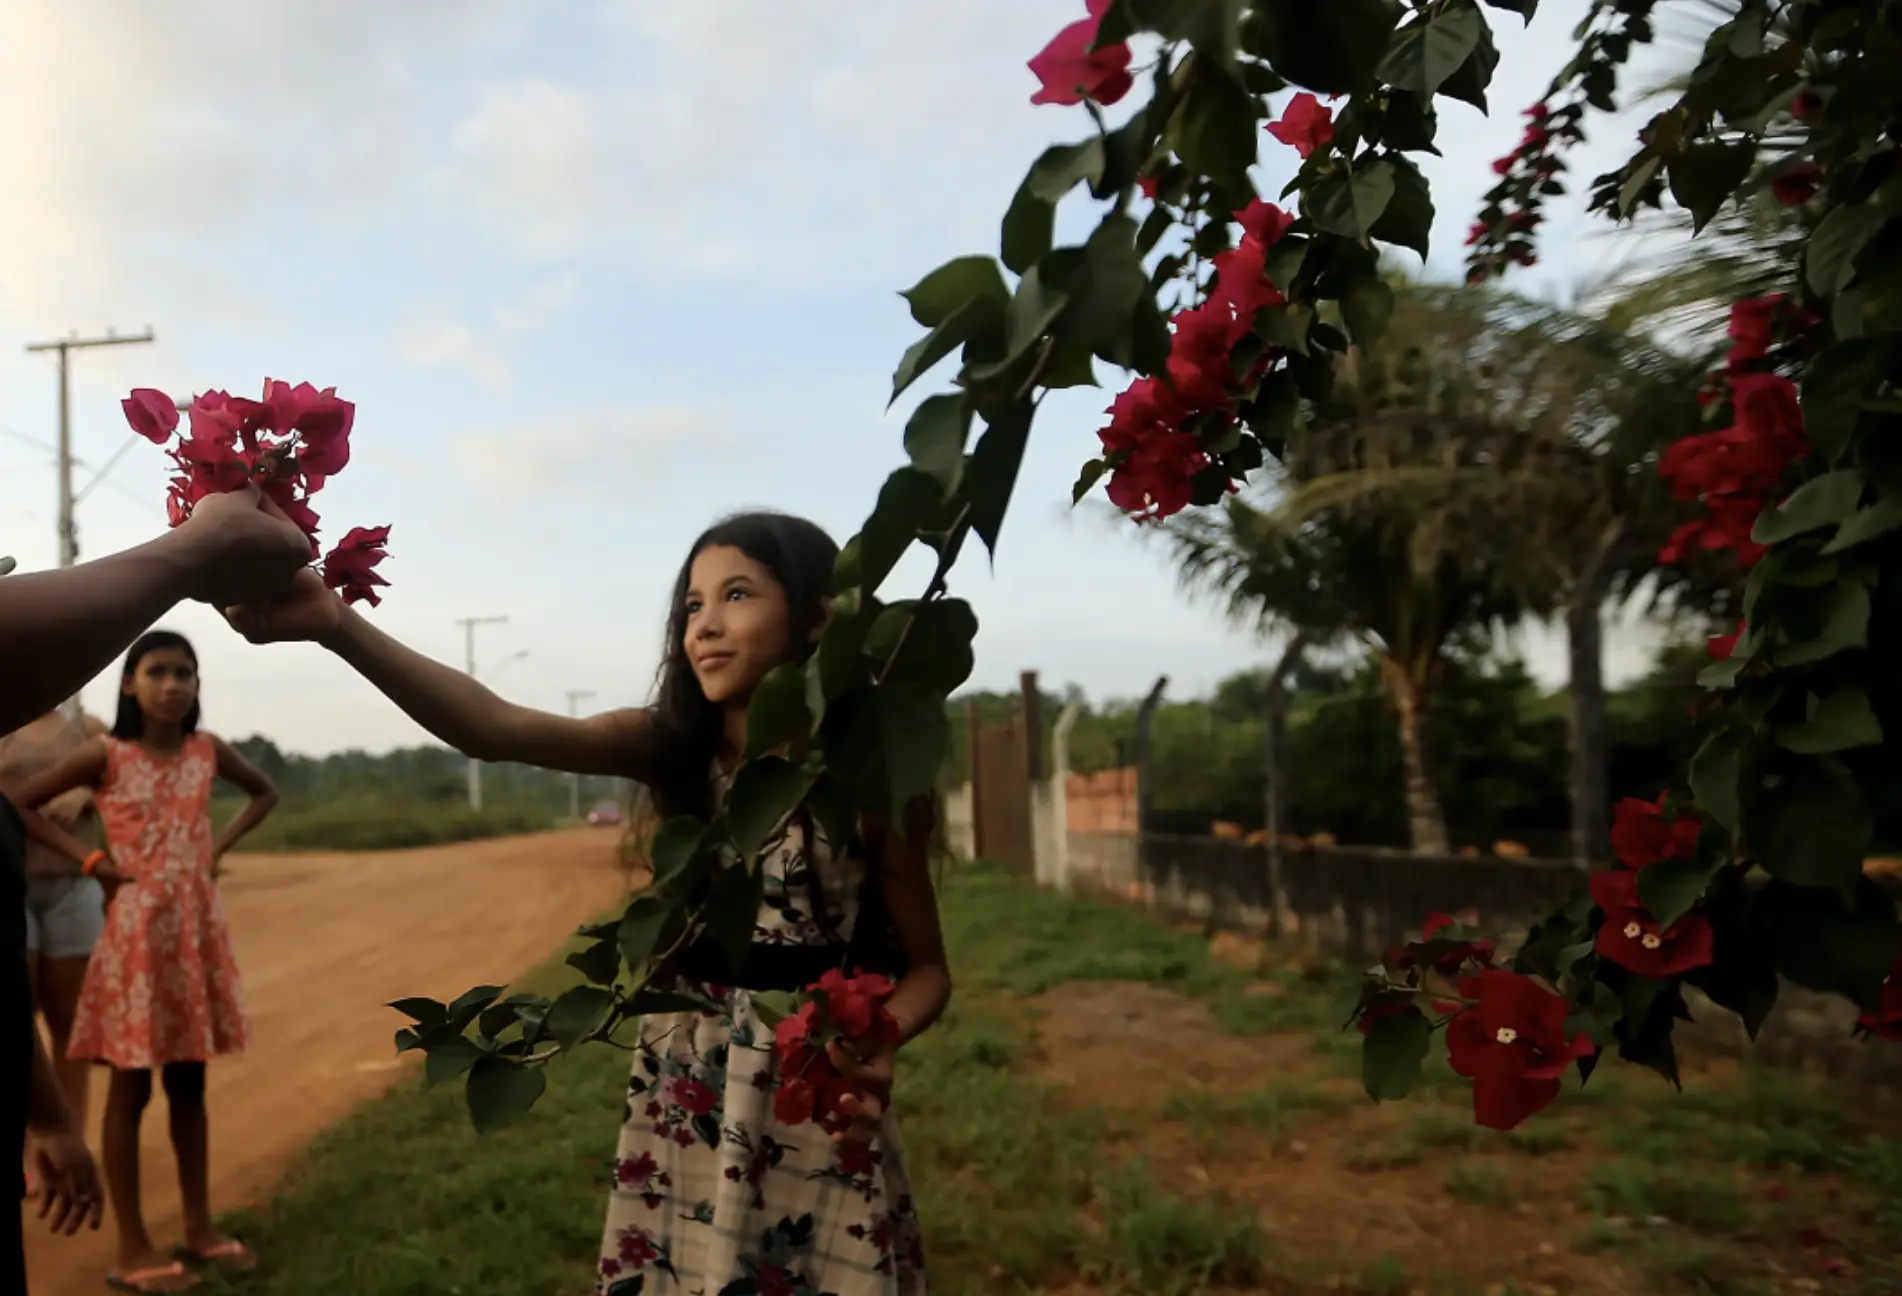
714 1197
162 985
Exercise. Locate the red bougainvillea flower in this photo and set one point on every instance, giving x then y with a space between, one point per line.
1723 645
1885 1019
152 414
1752 327
837 1007
1264 223
1641 836
350 568
1149 186
1797 185
1511 1044
1737 470
1070 71
1306 125
1631 937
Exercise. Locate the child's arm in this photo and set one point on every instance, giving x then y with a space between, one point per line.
234 768
452 706
83 767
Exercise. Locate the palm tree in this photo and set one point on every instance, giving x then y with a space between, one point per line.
1524 439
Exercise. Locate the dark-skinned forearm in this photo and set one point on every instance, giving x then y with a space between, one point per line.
59 629
46 1111
919 1000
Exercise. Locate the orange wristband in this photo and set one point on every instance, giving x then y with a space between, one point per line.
92 863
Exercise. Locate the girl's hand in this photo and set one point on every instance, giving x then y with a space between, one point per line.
305 611
864 1108
110 878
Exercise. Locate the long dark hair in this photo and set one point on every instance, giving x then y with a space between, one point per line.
129 722
799 555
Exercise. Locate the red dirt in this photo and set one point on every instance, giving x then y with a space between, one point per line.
324 941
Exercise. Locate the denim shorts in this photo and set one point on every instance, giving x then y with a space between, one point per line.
64 915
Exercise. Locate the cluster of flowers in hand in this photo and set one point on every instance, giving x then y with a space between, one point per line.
846 1010
287 444
1737 471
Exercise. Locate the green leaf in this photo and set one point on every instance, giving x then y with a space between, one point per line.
1830 256
1812 829
1833 388
1819 502
733 908
1671 888
906 502
1330 48
1031 218
1422 55
1213 130
1367 306
449 1059
1880 518
578 1010
916 736
641 929
600 963
470 1003
1470 82
776 714
1033 311
1407 219
1104 290
1086 480
1837 722
1644 170
838 663
1704 175
1391 1055
1410 123
993 470
948 289
673 848
424 1012
1715 770
1845 625
500 1091
765 791
936 652
1840 941
979 316
1348 205
773 1006
934 438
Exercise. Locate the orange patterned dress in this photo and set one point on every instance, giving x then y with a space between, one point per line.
163 983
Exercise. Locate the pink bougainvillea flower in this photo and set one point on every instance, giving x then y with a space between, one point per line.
1633 939
1264 222
1306 125
1511 1044
152 414
1070 71
350 568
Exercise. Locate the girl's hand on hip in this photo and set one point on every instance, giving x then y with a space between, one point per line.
871 1096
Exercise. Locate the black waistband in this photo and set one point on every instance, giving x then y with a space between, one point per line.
764 967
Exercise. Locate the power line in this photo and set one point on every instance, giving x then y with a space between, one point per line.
68 532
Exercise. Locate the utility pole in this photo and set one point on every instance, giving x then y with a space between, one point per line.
575 698
469 625
68 534
68 530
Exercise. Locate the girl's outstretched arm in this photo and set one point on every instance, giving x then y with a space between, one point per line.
235 769
83 767
905 874
455 708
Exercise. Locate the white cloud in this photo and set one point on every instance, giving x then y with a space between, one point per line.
435 342
600 450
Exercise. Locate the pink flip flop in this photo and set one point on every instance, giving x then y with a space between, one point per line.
228 1254
173 1277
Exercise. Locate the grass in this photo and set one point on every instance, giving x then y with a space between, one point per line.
360 824
1028 1188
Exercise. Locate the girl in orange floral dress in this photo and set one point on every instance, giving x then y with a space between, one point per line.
162 991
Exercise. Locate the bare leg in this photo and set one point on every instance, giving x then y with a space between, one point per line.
126 1100
57 994
191 1143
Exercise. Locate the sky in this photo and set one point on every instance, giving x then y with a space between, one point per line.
596 272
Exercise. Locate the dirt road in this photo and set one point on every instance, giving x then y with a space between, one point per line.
324 941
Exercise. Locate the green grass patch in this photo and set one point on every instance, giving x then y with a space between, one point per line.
368 824
1169 1245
